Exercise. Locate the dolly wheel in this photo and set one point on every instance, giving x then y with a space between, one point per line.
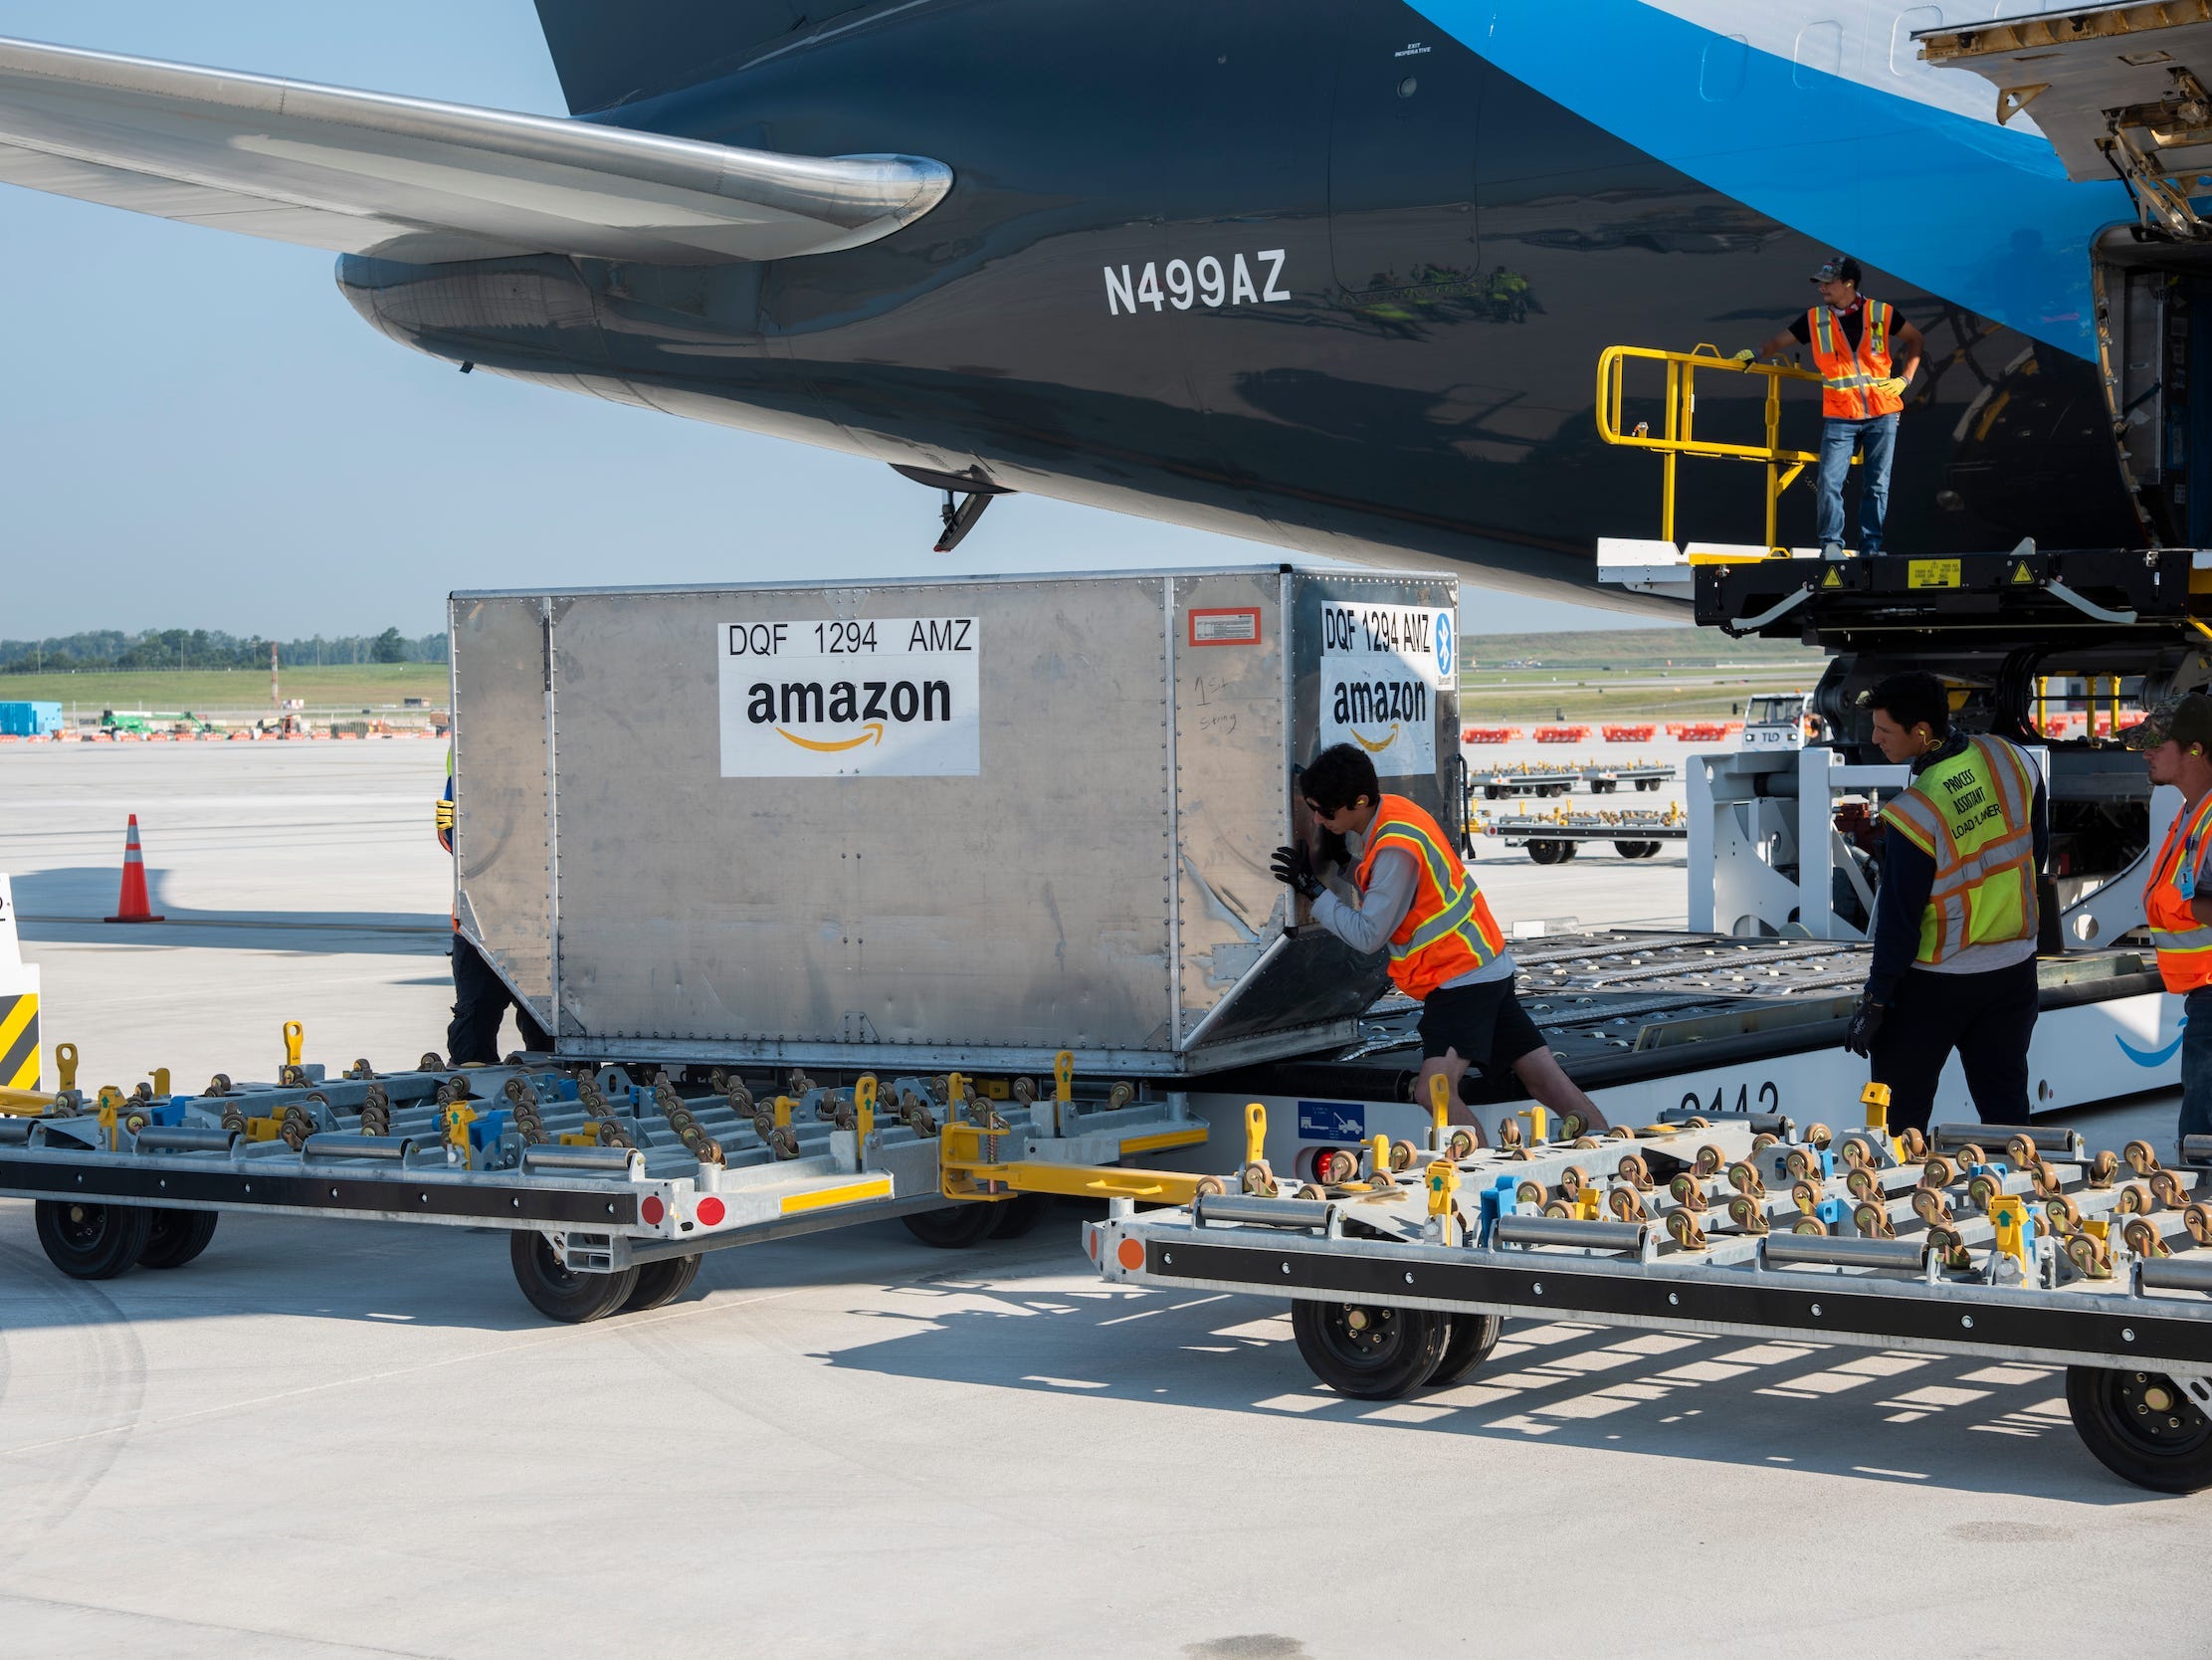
560 1293
176 1237
660 1283
1017 1216
93 1241
1367 1352
955 1228
2143 1427
1468 1341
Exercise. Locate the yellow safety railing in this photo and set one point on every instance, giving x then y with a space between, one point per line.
1678 435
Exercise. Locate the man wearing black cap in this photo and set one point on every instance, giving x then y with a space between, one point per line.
1867 355
2176 746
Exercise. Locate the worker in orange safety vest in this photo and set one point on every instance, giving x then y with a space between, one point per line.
1867 355
1417 899
2176 746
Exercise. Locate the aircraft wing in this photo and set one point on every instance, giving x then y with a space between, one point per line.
414 181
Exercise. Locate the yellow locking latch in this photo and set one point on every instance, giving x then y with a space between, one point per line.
64 1065
1442 1180
1255 1133
1440 1109
1875 1097
864 1110
1063 1077
2009 1216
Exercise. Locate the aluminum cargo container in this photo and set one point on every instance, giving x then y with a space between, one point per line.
933 824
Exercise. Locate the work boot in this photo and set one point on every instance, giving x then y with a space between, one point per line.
1831 551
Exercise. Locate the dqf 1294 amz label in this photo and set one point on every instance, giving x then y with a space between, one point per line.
876 696
1381 669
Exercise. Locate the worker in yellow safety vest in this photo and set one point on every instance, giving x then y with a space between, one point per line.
1956 916
1417 899
2176 743
1867 355
481 998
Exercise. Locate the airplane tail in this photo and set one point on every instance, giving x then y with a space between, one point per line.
613 52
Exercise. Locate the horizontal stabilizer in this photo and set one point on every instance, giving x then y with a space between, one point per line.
414 181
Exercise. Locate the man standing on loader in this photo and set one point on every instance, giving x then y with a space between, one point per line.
1445 949
1867 355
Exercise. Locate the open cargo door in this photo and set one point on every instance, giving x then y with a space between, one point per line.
2116 88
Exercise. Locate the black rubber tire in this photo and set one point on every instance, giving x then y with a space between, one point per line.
177 1236
955 1228
662 1283
1388 1358
556 1293
91 1241
1567 850
1017 1216
1466 1345
1546 852
2168 1450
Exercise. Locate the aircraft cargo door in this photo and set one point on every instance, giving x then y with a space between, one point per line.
1401 165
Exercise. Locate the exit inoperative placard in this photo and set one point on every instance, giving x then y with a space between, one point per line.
879 697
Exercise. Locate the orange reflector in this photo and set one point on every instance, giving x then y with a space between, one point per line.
1130 1254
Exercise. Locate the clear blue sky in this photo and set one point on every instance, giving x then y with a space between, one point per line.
198 432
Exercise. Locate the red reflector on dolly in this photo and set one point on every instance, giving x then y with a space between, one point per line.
652 1210
712 1211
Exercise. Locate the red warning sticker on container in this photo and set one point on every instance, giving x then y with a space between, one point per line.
1231 626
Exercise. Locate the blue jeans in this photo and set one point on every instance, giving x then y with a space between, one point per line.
1876 440
2196 1064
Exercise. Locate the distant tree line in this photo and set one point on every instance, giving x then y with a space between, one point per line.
203 648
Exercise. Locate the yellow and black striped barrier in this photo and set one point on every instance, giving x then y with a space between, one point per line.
18 1041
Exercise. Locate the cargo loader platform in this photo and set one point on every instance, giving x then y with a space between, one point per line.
2027 596
1650 1022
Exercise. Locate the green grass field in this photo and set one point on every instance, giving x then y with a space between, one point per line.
210 692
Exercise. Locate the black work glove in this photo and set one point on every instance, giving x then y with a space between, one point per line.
1295 870
1866 1021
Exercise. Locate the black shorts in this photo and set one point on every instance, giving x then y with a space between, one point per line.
1485 1022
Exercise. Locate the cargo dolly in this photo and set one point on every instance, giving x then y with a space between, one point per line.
1495 783
1986 1241
1556 839
610 1181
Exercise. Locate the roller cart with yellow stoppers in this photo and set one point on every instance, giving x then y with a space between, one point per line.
611 1181
1986 1241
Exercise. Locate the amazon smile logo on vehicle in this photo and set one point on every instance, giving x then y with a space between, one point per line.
883 697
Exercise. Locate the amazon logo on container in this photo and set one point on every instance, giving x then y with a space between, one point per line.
887 696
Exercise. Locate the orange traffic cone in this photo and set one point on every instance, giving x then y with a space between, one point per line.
134 904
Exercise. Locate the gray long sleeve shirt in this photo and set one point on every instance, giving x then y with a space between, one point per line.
1367 926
